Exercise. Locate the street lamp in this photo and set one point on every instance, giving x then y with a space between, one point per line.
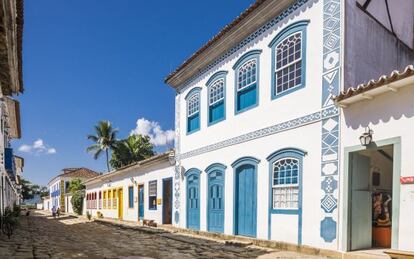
171 157
366 137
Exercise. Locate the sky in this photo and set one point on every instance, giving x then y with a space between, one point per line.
91 60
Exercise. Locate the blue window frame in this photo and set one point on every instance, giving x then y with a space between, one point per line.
289 59
152 195
193 110
285 187
131 196
247 81
216 87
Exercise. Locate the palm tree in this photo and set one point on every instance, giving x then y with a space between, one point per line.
132 149
104 138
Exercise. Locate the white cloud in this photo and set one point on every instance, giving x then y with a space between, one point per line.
159 137
25 148
38 148
51 150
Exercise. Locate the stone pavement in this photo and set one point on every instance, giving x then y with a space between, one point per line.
40 236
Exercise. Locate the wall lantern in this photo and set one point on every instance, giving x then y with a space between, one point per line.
366 137
171 157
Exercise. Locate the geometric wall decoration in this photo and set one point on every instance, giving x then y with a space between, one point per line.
328 229
330 126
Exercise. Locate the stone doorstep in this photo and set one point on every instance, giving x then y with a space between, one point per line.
393 253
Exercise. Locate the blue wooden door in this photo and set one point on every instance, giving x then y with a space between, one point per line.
193 201
216 201
245 217
141 202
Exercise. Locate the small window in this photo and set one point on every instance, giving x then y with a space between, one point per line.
289 63
114 200
285 185
104 199
193 112
131 196
152 195
109 199
216 93
289 59
247 81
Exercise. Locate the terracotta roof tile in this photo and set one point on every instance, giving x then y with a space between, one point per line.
372 84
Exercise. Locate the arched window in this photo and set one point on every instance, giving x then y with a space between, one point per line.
289 59
247 81
193 110
285 183
216 97
285 187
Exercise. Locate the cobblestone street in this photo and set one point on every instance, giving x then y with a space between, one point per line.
39 236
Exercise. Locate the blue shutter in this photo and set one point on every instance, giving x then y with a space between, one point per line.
131 197
193 122
8 160
246 97
216 112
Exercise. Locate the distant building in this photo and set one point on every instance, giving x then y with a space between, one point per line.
11 82
137 192
59 187
262 149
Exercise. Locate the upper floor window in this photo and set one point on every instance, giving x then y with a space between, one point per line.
216 101
193 110
288 59
247 81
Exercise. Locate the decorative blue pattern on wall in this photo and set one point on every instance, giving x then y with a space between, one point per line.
247 40
328 229
330 126
277 128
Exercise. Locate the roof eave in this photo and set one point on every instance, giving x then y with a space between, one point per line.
242 27
370 93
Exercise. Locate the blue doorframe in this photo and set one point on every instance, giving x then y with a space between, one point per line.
245 179
193 198
141 202
215 197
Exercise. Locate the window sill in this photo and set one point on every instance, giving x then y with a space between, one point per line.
285 211
294 89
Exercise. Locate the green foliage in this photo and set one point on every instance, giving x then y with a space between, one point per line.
88 215
104 138
9 222
77 190
29 190
132 149
76 185
77 202
16 210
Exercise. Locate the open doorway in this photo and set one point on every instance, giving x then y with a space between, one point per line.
371 178
167 201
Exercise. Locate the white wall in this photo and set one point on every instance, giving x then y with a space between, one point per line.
141 176
268 112
306 138
389 116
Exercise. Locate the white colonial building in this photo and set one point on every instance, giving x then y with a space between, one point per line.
59 193
137 192
259 140
11 84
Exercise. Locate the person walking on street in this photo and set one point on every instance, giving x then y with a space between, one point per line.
54 212
58 212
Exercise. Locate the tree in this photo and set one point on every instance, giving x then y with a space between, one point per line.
77 190
132 149
104 138
27 191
